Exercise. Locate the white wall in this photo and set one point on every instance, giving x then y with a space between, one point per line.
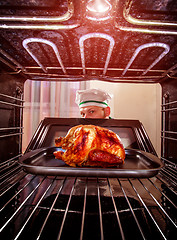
136 101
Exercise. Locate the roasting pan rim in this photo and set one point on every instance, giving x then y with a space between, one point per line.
147 165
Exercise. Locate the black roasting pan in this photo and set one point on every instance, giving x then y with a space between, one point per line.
137 164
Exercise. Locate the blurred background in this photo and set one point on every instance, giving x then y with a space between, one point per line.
57 99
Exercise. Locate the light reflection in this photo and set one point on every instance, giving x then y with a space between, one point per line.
98 6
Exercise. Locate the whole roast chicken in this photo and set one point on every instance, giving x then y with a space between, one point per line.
89 145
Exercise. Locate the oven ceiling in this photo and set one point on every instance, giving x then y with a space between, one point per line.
62 41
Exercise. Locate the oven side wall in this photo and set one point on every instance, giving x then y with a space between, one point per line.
169 120
11 110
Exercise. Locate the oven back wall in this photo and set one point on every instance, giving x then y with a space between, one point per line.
136 101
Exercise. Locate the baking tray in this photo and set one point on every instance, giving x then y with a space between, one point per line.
137 164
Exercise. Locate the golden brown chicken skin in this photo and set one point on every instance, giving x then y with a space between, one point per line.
89 145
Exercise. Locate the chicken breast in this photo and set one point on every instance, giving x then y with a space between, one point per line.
89 145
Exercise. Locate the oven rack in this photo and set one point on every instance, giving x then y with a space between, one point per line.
141 207
13 105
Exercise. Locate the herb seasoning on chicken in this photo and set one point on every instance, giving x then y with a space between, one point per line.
89 145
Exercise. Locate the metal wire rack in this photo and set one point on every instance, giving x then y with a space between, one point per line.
98 208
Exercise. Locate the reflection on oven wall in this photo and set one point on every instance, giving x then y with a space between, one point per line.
130 101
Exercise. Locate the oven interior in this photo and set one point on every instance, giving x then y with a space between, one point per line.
132 42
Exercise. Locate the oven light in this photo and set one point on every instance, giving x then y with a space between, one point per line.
98 10
98 6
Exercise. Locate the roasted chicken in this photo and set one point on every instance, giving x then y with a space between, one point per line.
89 145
